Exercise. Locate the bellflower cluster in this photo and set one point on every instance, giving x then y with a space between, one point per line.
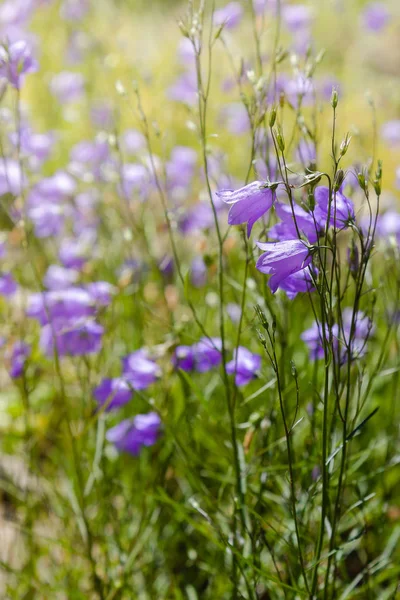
244 365
68 322
16 61
351 335
131 435
139 371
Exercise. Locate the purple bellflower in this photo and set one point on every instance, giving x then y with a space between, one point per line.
244 365
202 356
139 370
15 62
67 86
286 230
282 259
19 353
341 212
249 203
113 393
132 434
298 282
8 287
78 338
229 16
376 16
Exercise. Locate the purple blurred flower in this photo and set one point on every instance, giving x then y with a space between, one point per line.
297 17
139 370
134 178
298 282
67 86
234 311
11 177
286 230
229 16
185 52
71 339
101 292
388 224
249 203
376 16
15 13
16 61
314 339
184 89
306 153
20 352
8 287
36 146
56 188
358 336
244 365
235 118
101 114
132 434
48 219
282 259
74 10
198 272
390 132
74 252
113 393
132 141
201 357
58 278
341 213
68 304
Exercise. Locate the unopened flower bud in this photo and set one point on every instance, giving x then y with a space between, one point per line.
272 117
338 180
354 259
279 139
334 98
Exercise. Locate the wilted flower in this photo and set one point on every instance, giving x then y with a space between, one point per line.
131 434
244 365
16 61
282 259
249 203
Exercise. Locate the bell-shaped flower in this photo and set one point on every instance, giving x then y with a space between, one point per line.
249 203
244 365
282 259
341 210
132 434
